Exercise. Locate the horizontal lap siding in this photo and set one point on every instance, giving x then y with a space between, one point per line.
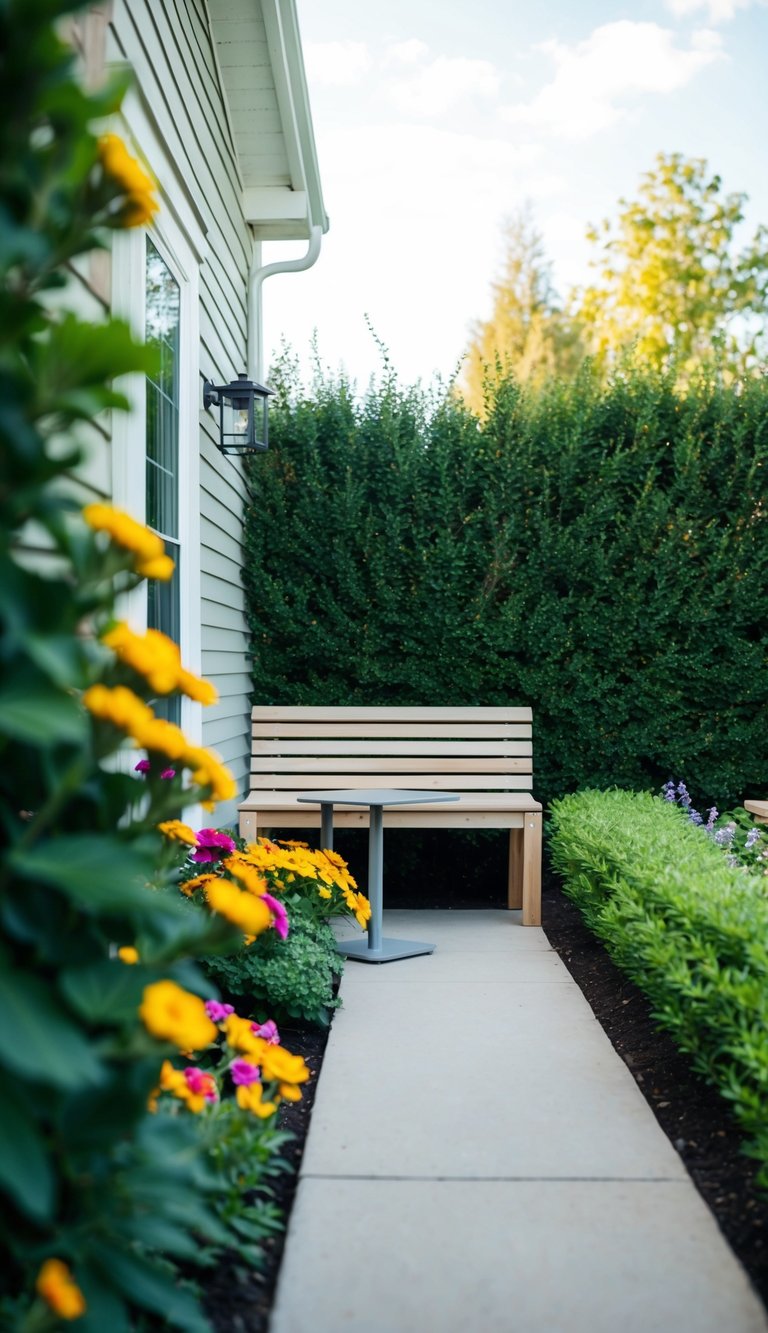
169 45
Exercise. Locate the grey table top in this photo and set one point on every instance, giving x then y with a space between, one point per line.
375 796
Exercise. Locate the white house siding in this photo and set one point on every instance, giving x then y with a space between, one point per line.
168 44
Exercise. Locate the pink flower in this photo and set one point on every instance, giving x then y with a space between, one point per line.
211 844
218 1012
268 1031
243 1073
200 1083
143 766
279 915
167 774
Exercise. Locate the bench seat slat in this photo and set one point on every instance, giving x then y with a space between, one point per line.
272 802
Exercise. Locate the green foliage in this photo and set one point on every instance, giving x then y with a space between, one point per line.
596 552
686 926
291 978
87 1177
668 284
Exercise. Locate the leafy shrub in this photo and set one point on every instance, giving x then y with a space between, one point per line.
292 977
688 928
596 552
98 979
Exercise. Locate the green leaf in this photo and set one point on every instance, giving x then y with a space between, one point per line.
37 1040
33 712
104 992
25 1168
98 872
148 1286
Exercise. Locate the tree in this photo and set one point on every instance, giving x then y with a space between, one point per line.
670 289
527 335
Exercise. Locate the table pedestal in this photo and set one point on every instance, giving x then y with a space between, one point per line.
376 949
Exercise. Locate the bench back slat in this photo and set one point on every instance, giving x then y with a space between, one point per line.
452 749
385 713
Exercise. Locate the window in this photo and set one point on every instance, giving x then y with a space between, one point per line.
162 332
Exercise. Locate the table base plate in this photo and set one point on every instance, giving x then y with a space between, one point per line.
388 951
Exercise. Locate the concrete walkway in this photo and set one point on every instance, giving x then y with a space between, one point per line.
481 1161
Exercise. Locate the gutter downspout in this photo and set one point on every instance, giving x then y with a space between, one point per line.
256 279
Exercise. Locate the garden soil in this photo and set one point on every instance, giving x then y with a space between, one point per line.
693 1116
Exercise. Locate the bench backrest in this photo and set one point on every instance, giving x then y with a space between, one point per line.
450 749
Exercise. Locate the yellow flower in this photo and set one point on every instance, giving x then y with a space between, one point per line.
209 771
120 706
279 1064
241 1036
145 545
249 1098
197 882
163 737
249 877
59 1290
172 1014
128 954
173 828
245 910
178 1084
325 893
153 655
134 182
202 691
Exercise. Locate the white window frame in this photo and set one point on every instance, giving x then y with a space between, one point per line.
177 235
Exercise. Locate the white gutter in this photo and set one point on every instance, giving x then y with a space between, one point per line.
259 273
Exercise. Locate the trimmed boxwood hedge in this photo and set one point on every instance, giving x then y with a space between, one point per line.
690 930
600 553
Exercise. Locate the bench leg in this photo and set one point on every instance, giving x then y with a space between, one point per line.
532 870
248 828
515 875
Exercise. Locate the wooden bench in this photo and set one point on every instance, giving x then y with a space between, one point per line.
759 809
484 754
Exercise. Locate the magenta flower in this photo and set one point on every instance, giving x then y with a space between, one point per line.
243 1073
201 1084
268 1031
218 1012
143 766
167 774
279 915
211 845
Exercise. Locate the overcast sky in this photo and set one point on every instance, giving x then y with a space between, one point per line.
436 119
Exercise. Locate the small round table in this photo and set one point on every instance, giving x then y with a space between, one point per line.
375 949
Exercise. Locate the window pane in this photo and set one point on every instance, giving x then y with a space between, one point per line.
162 445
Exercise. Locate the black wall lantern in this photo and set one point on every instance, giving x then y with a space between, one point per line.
243 414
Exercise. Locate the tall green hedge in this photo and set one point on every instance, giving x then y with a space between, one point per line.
600 553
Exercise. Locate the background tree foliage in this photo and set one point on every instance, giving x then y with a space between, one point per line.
596 552
528 334
669 281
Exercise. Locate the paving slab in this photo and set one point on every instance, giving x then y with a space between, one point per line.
512 1257
479 1157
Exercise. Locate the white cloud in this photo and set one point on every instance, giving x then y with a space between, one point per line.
406 53
436 86
717 11
593 78
336 64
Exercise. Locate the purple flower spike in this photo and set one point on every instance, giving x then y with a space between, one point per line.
143 766
218 1012
167 774
244 1073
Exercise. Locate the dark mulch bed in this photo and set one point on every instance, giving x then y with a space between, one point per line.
694 1117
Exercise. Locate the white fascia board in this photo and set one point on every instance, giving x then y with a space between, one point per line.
284 42
274 204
